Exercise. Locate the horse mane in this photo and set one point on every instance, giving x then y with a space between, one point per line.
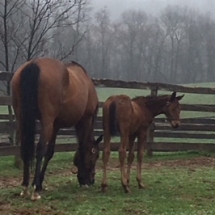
150 101
77 64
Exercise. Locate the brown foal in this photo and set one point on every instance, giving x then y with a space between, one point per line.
131 118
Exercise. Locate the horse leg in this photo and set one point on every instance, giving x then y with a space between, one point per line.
105 159
140 151
26 172
26 176
47 130
122 157
130 156
48 156
83 132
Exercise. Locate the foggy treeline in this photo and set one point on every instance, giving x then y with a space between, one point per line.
178 46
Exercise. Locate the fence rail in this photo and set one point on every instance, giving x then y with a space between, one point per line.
154 146
198 131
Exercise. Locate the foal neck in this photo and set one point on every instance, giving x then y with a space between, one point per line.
154 105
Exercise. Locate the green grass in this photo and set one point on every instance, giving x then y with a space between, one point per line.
171 189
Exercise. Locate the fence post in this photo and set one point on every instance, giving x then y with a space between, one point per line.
150 134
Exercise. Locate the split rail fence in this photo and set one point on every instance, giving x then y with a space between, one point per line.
196 133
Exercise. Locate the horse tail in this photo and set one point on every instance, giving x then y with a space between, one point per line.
29 81
113 125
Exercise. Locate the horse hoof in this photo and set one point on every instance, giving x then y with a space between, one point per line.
126 189
85 186
142 186
41 188
25 193
104 188
35 197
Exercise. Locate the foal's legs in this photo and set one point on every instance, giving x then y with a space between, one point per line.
48 156
122 157
46 133
140 150
130 156
105 159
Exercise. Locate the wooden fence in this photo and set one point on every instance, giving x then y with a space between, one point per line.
197 131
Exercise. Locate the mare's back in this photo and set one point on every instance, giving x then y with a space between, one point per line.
53 80
80 81
53 84
81 98
78 73
53 72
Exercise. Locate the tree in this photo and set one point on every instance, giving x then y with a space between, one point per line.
174 21
103 35
27 28
9 12
68 36
132 37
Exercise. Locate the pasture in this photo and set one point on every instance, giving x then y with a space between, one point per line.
176 183
180 184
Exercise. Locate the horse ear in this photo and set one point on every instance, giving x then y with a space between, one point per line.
179 97
172 97
99 139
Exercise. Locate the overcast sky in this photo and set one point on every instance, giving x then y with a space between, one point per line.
116 7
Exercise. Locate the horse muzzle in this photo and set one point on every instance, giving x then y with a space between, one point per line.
175 123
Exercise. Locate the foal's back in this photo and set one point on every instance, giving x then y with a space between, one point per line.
128 114
117 114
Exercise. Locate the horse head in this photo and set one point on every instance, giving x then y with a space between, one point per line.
85 162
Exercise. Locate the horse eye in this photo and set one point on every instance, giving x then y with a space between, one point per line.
93 150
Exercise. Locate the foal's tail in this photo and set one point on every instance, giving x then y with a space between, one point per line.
29 81
113 124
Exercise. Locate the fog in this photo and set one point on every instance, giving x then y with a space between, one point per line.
171 41
116 7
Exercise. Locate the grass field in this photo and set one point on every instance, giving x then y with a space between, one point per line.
179 184
176 184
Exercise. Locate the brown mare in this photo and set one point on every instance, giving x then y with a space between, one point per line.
58 95
131 118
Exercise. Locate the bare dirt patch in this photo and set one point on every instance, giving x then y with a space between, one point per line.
28 211
194 162
6 182
189 163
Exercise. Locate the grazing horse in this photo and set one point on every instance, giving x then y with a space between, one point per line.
131 118
58 95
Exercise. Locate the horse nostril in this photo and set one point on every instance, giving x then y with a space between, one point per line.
176 125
